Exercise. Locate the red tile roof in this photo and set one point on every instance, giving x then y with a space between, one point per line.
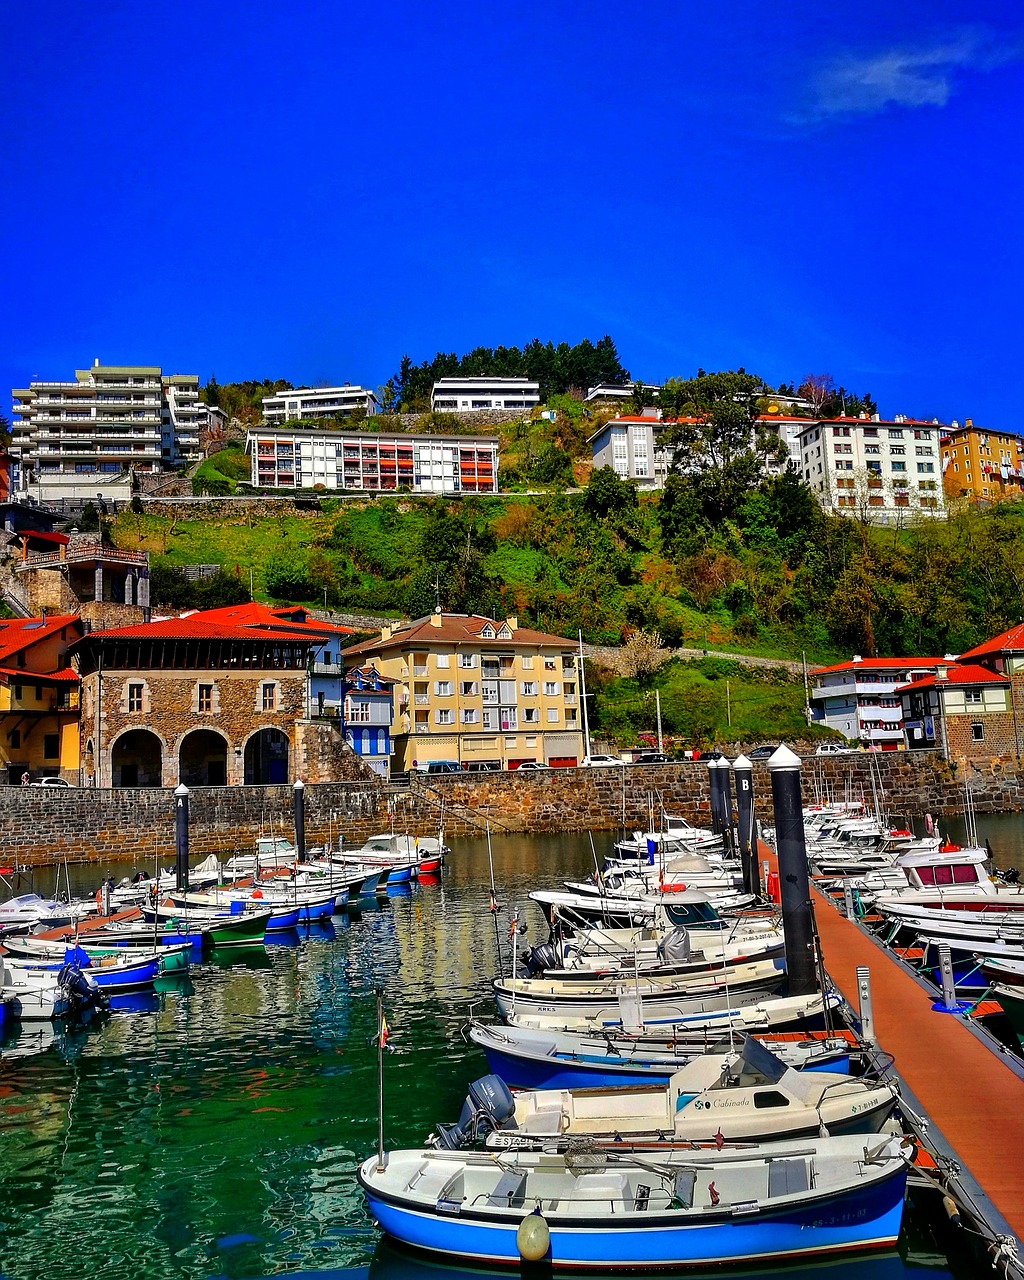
19 633
456 629
41 677
254 614
957 674
194 627
1011 641
878 664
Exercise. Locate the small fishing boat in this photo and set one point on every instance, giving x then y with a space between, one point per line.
1011 1001
608 1211
220 928
29 911
749 1096
528 1058
40 996
617 911
112 971
282 917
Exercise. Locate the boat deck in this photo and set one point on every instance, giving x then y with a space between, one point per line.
971 1095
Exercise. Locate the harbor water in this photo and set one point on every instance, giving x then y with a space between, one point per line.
214 1130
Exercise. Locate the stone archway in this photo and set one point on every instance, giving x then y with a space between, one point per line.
203 759
136 760
266 757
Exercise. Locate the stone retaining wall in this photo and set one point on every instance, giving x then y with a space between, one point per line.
38 825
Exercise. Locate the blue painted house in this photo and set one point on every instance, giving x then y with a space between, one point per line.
369 708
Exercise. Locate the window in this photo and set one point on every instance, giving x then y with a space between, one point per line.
899 466
527 661
443 660
923 468
977 731
51 746
872 448
269 697
357 712
972 695
895 433
135 697
468 688
550 689
552 715
205 697
529 688
924 451
531 715
444 716
489 720
443 688
898 450
470 715
467 659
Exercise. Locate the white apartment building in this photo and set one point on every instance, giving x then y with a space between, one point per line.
83 438
308 458
882 470
319 402
859 700
465 395
618 391
627 444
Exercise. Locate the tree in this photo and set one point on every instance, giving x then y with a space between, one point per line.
720 445
607 492
817 388
642 655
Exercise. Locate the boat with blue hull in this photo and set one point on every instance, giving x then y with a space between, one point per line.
681 1209
530 1059
114 973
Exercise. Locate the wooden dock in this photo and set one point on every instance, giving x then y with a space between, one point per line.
969 1093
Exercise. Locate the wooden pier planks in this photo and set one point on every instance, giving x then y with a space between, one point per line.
970 1094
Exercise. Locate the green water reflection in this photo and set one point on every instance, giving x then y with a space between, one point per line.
214 1130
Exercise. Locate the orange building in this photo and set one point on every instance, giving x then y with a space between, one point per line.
980 464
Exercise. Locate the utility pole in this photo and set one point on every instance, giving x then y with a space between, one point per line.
657 704
583 700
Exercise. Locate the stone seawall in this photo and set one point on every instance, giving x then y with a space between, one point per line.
39 825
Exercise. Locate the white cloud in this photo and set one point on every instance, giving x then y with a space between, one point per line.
904 76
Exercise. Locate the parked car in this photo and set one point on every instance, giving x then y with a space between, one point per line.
482 766
711 755
761 753
835 749
437 766
530 765
49 782
652 757
599 760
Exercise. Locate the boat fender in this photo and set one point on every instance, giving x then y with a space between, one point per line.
533 1239
713 1194
257 893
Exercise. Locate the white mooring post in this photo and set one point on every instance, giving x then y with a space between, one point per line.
867 1021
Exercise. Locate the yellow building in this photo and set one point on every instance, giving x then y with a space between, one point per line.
39 698
478 692
981 464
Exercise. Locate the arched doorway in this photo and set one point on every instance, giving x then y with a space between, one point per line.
266 757
136 760
203 759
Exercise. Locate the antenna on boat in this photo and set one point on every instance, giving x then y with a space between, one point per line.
382 1035
494 911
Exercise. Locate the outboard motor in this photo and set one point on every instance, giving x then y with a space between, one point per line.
489 1106
540 958
81 990
675 946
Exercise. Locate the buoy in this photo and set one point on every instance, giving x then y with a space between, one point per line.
533 1239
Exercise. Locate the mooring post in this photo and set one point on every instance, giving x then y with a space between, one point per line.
946 974
744 774
864 1010
848 898
181 794
713 797
794 885
725 804
299 792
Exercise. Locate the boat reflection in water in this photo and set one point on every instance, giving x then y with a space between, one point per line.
391 1262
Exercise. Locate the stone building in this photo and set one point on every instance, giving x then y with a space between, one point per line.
962 709
77 573
205 702
478 692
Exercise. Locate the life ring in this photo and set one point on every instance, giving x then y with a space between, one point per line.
673 888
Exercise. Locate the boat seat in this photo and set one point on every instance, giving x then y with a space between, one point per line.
600 1193
543 1120
786 1177
509 1191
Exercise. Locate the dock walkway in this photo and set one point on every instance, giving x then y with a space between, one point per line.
972 1096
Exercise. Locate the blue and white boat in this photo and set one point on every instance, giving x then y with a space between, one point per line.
601 1210
123 971
531 1059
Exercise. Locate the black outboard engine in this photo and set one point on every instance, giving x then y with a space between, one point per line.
81 989
540 958
489 1106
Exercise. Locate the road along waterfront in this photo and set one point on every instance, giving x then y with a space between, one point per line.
215 1130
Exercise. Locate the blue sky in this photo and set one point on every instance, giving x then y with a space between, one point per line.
309 190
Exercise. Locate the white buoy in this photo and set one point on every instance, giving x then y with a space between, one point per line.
533 1239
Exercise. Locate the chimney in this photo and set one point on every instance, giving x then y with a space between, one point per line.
96 363
941 673
968 422
386 633
857 658
436 618
513 622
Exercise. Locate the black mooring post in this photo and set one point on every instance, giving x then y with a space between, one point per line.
181 794
744 774
791 849
725 803
299 792
713 794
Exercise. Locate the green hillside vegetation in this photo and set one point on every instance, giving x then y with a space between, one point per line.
221 473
